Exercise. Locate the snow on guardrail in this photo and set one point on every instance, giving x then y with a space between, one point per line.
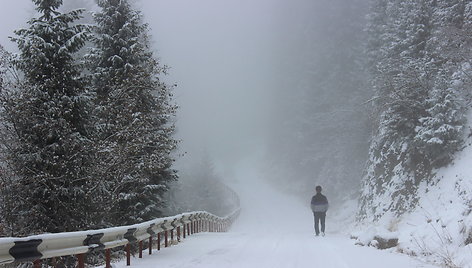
37 247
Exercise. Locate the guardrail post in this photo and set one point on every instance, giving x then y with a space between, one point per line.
140 245
37 264
178 233
166 239
188 228
128 255
107 258
159 241
150 245
184 231
81 261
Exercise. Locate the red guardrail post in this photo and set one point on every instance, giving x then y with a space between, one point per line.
166 239
171 236
159 241
150 245
128 255
107 258
140 245
37 264
81 261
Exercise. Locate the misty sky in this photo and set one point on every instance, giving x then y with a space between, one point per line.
222 56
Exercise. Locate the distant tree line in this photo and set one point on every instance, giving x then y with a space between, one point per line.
200 188
323 128
419 59
86 140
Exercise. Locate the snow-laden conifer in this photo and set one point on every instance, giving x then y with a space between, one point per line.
133 115
416 51
46 145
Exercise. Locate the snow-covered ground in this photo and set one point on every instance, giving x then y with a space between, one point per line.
274 230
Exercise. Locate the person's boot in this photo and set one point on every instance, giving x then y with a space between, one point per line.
323 234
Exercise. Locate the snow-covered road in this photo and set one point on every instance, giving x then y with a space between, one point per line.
274 230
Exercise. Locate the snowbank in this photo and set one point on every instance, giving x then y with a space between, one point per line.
439 230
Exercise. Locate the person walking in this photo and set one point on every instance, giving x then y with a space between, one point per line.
319 206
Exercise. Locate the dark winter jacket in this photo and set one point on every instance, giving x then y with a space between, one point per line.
319 203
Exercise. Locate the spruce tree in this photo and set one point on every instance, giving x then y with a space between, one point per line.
133 115
47 146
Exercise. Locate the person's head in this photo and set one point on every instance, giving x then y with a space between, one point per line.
318 189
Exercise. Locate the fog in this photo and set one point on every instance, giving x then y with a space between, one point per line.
223 57
252 84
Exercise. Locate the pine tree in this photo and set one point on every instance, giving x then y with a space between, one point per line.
419 82
133 116
47 146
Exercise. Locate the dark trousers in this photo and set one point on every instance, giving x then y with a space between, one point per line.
319 217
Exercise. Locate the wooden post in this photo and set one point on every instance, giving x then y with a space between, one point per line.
80 261
166 239
107 258
37 264
184 231
128 255
172 236
159 241
188 228
140 244
150 245
178 233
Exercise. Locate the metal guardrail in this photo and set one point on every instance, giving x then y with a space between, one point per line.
39 247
